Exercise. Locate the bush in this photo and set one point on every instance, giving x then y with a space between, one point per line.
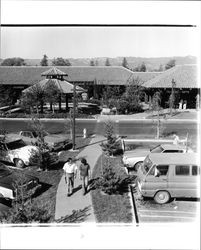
111 181
112 146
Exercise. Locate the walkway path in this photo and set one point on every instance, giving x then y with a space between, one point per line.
65 205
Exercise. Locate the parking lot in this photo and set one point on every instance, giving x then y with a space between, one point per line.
175 211
178 210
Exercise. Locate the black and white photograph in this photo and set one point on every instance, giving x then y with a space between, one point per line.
99 127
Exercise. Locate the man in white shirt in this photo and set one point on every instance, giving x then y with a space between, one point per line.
70 171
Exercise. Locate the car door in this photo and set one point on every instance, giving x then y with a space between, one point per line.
157 179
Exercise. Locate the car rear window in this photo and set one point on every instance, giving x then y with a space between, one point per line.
16 144
182 170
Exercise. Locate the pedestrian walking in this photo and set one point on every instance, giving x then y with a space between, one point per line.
84 174
70 171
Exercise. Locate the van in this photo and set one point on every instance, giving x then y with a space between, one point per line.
165 176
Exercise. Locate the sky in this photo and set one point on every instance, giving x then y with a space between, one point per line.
90 42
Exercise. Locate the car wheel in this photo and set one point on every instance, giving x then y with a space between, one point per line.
19 163
137 165
162 197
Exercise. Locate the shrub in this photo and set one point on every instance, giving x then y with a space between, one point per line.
111 181
112 146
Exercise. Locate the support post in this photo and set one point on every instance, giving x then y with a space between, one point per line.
74 103
67 103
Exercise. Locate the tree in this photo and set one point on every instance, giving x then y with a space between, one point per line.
170 64
44 61
92 63
59 61
107 62
160 68
34 97
143 67
172 97
96 63
23 208
14 61
125 63
133 95
52 94
8 95
155 106
112 146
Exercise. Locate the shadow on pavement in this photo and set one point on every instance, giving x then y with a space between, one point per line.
77 216
77 189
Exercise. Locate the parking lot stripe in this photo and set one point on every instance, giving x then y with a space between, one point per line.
167 216
166 211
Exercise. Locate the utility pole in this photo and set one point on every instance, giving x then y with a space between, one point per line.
172 96
74 109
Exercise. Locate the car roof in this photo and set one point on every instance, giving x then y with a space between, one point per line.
9 138
174 158
172 146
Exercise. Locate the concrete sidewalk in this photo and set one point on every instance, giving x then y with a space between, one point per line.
65 205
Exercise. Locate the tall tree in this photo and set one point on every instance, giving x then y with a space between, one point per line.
34 97
52 94
14 61
170 64
92 63
125 63
143 67
44 61
107 62
59 61
156 106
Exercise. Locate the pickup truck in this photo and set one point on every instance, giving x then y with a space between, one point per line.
133 159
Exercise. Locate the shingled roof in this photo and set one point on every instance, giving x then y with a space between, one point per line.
185 76
64 86
54 72
111 75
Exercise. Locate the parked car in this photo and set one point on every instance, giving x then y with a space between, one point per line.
165 176
14 150
11 181
54 141
133 159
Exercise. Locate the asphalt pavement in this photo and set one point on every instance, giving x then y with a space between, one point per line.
78 202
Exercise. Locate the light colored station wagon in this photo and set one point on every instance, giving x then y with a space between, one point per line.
133 159
165 176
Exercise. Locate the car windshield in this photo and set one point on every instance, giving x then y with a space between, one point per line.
16 144
147 164
157 149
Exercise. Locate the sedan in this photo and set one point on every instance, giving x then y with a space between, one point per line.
11 182
54 141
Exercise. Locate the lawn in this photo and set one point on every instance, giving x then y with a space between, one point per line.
46 198
115 208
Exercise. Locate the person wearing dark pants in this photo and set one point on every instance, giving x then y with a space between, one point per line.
84 173
70 170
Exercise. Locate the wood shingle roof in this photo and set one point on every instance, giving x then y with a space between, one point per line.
185 76
111 75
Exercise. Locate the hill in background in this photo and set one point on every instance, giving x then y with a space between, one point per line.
152 64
